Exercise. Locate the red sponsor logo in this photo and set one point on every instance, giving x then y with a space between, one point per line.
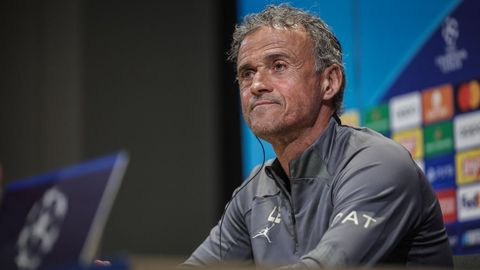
468 96
448 203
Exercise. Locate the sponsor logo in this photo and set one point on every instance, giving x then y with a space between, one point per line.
440 171
452 59
468 166
447 200
412 141
453 240
471 238
437 103
273 219
438 138
467 130
377 118
468 202
357 219
468 96
350 118
405 111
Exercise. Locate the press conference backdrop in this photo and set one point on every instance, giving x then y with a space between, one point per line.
413 74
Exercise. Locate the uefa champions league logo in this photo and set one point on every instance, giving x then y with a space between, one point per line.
41 229
450 33
453 58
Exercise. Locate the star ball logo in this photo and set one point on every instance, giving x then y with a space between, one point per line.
41 229
453 58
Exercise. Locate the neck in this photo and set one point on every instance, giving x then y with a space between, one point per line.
295 144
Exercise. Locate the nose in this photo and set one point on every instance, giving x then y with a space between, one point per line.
260 83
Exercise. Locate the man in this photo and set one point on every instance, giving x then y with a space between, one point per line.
335 195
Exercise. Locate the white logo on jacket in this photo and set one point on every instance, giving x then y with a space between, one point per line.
352 217
274 220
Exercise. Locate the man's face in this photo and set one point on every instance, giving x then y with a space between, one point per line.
280 90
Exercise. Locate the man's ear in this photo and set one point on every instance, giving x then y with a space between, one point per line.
332 81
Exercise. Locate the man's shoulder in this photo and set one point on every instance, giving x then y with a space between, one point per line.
365 143
366 152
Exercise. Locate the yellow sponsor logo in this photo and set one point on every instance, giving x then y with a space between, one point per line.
351 118
468 166
412 140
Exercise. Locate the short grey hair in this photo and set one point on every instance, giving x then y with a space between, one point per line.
327 48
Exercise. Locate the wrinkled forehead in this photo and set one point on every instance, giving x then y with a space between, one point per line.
266 38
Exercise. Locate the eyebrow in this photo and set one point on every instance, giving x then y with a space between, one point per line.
268 57
273 56
243 67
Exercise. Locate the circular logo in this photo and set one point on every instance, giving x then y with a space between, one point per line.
468 96
41 229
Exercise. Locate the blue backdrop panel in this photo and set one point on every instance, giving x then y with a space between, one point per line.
378 38
420 61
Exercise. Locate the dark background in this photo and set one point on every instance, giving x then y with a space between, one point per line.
85 78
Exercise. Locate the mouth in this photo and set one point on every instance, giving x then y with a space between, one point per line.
262 102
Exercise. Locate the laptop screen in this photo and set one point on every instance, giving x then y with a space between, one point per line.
57 218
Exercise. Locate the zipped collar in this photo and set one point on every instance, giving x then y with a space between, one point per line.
276 172
313 161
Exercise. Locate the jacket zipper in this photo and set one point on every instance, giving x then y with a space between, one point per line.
292 211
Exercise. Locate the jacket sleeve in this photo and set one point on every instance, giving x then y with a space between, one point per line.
377 198
235 241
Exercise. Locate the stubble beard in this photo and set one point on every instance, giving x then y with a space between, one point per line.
275 130
282 128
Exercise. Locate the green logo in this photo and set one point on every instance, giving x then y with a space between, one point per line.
438 139
377 118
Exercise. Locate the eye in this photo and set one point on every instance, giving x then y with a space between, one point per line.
247 74
279 66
